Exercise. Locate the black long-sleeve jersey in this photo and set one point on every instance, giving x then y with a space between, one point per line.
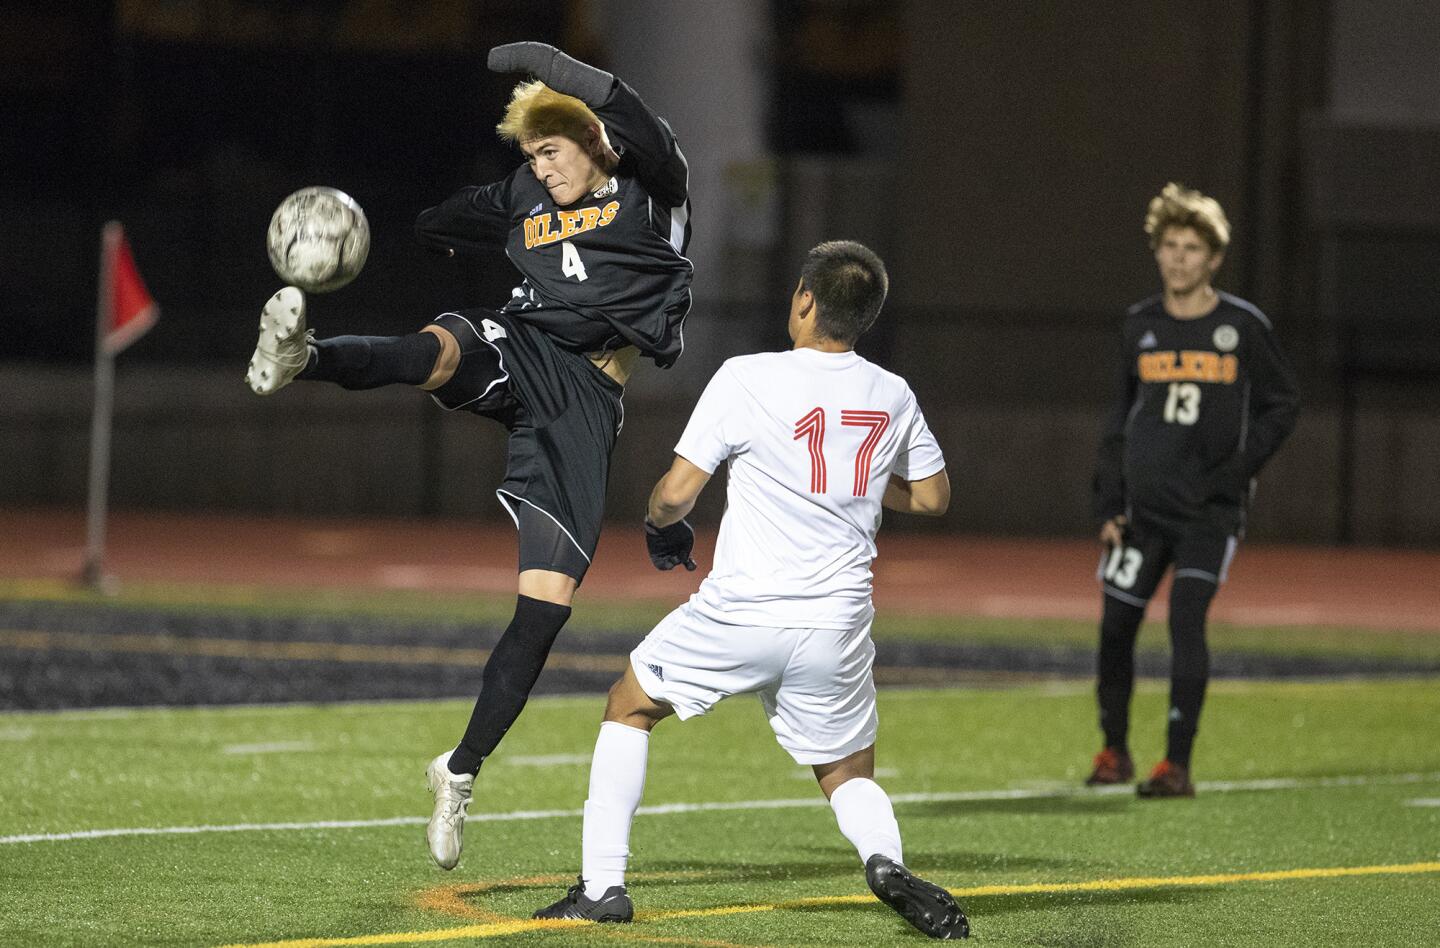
607 271
1204 403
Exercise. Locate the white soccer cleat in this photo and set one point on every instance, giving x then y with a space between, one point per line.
447 823
284 345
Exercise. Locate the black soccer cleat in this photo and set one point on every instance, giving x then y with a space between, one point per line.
613 906
923 904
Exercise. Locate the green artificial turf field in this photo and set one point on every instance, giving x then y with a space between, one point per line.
1317 822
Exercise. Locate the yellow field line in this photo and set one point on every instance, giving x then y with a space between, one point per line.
493 929
489 930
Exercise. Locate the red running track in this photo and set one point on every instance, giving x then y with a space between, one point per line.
952 575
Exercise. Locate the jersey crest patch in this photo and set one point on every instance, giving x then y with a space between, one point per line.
1226 338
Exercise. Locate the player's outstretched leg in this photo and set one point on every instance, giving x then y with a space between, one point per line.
612 906
284 344
447 822
923 904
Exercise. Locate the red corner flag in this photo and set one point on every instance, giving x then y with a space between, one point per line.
127 311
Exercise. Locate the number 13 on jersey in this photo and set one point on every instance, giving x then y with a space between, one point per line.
812 429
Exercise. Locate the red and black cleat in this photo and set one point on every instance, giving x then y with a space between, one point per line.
1166 780
1111 766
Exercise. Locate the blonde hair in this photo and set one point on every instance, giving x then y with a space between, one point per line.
1179 206
537 111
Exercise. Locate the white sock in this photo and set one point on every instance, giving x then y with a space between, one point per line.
866 818
617 782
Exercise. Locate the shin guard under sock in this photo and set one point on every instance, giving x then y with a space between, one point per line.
617 783
1119 624
360 362
1187 695
1189 664
515 663
867 818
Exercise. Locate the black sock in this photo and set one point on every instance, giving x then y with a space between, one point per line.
1189 664
1186 697
1119 624
514 664
358 362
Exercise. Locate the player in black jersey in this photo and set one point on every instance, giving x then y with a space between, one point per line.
597 222
1206 398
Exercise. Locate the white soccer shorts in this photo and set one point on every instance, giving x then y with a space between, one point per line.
815 684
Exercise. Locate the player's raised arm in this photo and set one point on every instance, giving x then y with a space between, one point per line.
638 132
472 218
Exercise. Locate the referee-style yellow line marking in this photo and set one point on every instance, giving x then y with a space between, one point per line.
515 926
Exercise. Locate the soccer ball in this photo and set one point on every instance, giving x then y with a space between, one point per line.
318 239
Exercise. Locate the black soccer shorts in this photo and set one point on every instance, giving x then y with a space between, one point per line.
1132 571
564 416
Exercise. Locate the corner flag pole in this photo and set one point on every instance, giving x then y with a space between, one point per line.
100 419
124 312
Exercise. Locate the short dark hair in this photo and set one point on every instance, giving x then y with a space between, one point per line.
849 283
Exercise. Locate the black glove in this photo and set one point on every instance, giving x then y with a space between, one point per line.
670 546
558 71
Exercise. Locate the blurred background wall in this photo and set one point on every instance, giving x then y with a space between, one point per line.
999 155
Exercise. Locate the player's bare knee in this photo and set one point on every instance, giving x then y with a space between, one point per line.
628 704
447 362
548 585
859 764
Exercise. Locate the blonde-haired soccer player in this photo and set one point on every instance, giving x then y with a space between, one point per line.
816 441
1205 398
596 221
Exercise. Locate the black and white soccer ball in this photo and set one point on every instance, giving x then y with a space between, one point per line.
318 239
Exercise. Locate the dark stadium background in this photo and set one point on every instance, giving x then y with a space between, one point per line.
998 155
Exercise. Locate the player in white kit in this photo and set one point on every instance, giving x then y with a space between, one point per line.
817 440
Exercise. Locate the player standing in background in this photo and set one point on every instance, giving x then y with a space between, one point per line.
596 221
817 439
1206 398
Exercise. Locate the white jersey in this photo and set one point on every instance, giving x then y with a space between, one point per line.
812 438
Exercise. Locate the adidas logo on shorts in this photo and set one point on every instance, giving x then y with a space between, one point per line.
656 670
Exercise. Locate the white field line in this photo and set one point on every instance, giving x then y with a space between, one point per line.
546 760
274 747
1424 801
962 796
808 775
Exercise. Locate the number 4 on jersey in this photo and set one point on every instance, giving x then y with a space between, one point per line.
570 264
812 428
